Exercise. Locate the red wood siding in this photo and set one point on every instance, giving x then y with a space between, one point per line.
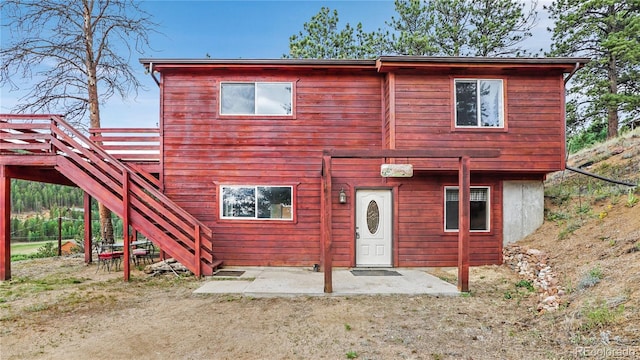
422 240
343 109
530 142
203 149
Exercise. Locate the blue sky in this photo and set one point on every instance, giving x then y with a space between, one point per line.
236 29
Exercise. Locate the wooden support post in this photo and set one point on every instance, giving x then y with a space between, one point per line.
5 224
198 251
59 234
88 243
326 229
125 226
464 197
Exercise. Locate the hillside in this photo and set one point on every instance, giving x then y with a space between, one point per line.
592 237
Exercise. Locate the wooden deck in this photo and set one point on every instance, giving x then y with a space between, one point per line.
45 148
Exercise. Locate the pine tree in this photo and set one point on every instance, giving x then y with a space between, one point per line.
462 27
322 39
607 90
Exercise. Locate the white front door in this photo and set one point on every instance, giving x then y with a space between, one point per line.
373 228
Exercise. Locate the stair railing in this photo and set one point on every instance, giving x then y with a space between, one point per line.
152 213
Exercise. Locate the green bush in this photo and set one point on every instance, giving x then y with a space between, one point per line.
595 133
46 250
600 315
592 278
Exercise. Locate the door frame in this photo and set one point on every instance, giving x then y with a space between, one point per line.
393 190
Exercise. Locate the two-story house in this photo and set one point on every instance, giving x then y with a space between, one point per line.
243 141
393 162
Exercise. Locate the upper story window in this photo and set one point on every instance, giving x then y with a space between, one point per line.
479 208
256 202
259 98
479 103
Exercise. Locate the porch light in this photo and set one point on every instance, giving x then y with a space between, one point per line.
342 198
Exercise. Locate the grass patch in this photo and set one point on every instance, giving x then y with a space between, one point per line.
351 355
632 199
600 315
522 289
37 307
591 278
47 249
23 286
556 216
557 195
526 284
26 248
569 229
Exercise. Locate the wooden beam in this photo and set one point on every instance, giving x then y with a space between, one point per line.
5 224
125 226
39 174
28 116
45 159
391 78
88 243
464 197
198 251
435 153
325 227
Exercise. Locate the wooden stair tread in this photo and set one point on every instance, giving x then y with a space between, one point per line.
215 265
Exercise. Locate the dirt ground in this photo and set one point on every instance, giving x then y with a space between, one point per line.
59 308
67 310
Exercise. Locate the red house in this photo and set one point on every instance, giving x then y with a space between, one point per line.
350 163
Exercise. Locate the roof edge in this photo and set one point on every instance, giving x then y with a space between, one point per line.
484 60
381 64
272 62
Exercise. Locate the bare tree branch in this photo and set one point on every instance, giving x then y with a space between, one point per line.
49 48
72 53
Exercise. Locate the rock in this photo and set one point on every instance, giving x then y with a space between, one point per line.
533 265
534 252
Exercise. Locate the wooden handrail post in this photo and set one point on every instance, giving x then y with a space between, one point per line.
198 250
125 226
53 124
59 234
5 224
88 243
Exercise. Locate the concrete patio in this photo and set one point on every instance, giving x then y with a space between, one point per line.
296 281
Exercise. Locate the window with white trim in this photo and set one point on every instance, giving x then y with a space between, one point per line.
256 98
479 208
479 103
256 202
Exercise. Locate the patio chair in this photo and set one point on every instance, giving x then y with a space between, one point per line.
144 253
107 257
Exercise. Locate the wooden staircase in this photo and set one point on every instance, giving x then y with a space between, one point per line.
47 140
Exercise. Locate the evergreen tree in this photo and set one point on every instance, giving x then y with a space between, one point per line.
462 27
412 29
607 90
498 27
321 39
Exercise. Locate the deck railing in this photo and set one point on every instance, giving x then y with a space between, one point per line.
112 183
129 144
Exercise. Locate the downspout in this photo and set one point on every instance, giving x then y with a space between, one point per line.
580 171
153 75
571 73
